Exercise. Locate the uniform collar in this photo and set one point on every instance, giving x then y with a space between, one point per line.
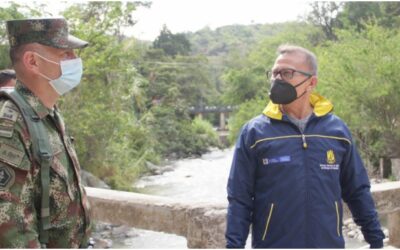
41 110
321 105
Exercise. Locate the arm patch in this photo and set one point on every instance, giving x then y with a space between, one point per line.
11 155
9 114
7 177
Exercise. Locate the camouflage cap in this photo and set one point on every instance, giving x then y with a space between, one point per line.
52 32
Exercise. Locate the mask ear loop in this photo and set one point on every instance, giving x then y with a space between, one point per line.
44 58
305 91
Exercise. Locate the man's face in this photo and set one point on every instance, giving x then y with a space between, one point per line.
54 56
291 67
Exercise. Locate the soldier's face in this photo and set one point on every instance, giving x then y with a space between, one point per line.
49 60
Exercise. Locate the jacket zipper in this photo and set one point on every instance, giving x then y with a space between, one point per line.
307 198
303 136
268 220
307 195
337 218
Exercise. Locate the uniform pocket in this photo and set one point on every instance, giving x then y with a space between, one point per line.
337 218
61 182
61 195
269 216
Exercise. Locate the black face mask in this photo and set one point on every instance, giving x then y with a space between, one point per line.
282 92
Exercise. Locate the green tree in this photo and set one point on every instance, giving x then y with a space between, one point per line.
111 141
12 11
360 74
359 14
245 113
324 15
172 44
175 84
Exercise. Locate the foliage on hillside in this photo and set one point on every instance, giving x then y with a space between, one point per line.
359 61
133 103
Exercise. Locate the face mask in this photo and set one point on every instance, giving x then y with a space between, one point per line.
283 92
71 74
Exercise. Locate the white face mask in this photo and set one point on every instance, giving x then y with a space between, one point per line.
71 74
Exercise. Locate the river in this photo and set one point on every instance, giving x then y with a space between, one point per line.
197 179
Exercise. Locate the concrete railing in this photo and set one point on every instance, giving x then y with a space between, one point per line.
203 224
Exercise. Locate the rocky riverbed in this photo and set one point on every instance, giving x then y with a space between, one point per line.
354 234
107 235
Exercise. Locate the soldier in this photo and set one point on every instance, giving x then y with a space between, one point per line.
7 78
42 200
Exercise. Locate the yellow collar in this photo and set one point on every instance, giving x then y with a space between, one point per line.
321 105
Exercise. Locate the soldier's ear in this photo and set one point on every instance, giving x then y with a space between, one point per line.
29 60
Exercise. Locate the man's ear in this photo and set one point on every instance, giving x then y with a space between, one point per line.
29 60
313 83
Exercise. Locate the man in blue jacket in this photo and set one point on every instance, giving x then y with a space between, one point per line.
293 165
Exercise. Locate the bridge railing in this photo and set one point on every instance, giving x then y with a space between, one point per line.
211 109
203 224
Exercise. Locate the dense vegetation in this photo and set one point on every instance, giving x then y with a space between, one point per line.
357 47
132 106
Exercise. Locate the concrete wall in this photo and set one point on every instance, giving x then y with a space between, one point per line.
203 224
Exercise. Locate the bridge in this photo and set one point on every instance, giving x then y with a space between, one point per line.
222 111
203 224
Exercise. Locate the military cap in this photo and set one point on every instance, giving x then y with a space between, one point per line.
52 32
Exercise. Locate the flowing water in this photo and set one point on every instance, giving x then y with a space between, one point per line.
199 179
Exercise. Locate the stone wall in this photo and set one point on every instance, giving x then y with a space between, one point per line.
203 224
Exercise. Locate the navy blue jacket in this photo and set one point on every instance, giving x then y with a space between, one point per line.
289 185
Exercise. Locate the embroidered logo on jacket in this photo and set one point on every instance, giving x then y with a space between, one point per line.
330 157
330 161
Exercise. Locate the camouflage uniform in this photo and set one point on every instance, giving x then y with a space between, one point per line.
20 182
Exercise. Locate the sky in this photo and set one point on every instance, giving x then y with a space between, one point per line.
193 15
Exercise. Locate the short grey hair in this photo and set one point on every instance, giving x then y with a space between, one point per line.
311 59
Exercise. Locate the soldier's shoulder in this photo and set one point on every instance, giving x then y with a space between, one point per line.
10 117
12 148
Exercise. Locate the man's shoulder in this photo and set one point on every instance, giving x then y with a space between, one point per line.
336 126
12 139
256 127
10 118
334 120
259 120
